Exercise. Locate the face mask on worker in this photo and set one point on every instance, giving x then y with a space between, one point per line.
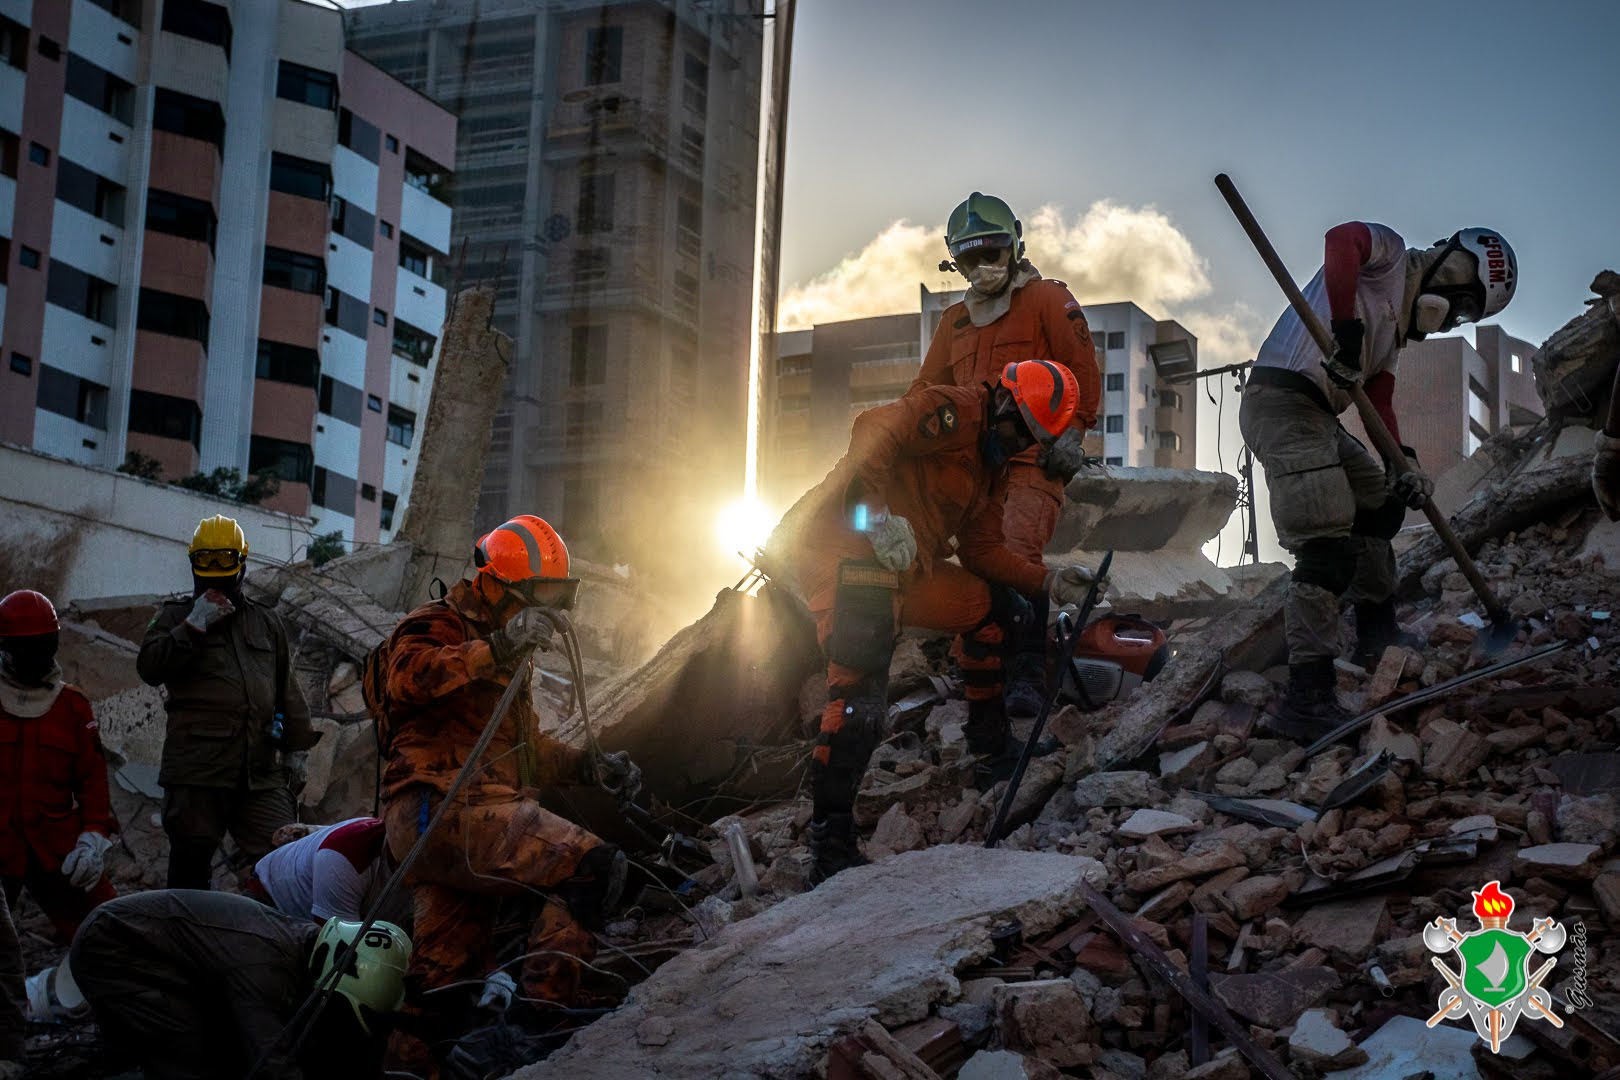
1448 296
30 660
986 268
231 587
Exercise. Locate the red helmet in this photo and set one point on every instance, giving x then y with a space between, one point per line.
26 613
1047 395
527 555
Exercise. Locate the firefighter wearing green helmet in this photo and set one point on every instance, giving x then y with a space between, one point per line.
1010 314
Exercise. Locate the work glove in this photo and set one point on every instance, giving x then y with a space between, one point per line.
87 861
1071 584
597 885
1412 487
893 542
1344 366
208 609
1065 456
616 773
1606 474
529 629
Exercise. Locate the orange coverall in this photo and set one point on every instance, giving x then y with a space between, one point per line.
920 457
433 685
1044 323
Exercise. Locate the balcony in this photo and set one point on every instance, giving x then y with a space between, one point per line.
425 218
419 302
77 345
354 179
93 139
105 40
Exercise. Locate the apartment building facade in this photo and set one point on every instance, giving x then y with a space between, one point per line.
606 180
220 243
819 379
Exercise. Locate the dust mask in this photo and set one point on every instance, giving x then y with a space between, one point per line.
988 280
1429 314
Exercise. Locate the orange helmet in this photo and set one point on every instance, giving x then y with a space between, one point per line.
1047 395
526 555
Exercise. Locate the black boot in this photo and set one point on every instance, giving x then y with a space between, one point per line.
1025 690
1309 707
1377 630
833 847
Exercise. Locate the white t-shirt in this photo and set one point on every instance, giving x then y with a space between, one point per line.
1380 291
334 871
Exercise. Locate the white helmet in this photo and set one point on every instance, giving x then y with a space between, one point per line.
374 978
1498 268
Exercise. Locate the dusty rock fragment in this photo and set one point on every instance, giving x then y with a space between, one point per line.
1202 857
1146 823
1229 1065
1255 896
1182 766
1451 752
1248 688
1590 819
1006 1065
896 832
1273 999
1237 773
1347 929
1047 1019
1561 862
1117 789
1317 1041
1606 887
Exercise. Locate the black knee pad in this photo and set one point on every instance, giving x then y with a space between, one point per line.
1380 522
1010 609
1329 563
863 617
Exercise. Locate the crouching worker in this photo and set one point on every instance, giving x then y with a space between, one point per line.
867 551
433 687
200 985
335 871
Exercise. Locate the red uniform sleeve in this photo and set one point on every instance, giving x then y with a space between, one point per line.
1345 250
430 658
558 763
1381 392
1069 337
90 771
882 436
936 365
981 546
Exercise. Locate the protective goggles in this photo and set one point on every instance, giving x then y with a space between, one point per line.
556 593
216 561
981 248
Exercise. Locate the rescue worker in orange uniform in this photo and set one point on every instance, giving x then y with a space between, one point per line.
433 686
56 820
866 550
1010 314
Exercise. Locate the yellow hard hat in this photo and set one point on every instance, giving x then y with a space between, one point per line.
218 548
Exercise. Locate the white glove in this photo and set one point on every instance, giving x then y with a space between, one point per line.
1070 584
84 865
618 774
529 629
1606 475
208 609
1412 487
1064 457
893 542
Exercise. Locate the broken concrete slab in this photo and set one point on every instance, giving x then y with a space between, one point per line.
1347 930
1562 862
1273 999
767 995
1406 1046
1117 789
1006 1065
1318 1042
1145 823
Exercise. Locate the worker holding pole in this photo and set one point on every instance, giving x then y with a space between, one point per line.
1335 506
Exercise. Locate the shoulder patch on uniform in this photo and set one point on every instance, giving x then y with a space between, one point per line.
947 418
928 425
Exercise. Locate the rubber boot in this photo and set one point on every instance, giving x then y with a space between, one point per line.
833 847
1309 706
1377 630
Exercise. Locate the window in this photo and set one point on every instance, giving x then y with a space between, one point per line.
81 293
1114 461
1169 440
22 365
1116 339
368 492
333 491
374 403
127 10
686 290
166 416
200 21
49 48
591 265
1115 380
99 89
587 358
1516 362
389 501
347 313
357 135
306 85
294 364
582 418
340 401
180 215
193 117
68 395
294 270
300 176
90 192
13 43
291 461
414 255
386 229
603 47
412 344
695 88
1169 399
39 155
178 316
1114 425
9 146
379 316
401 426
595 211
691 149
391 143
351 222
425 174
27 257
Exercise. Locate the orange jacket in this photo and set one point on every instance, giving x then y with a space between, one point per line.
920 458
53 782
433 686
1044 323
